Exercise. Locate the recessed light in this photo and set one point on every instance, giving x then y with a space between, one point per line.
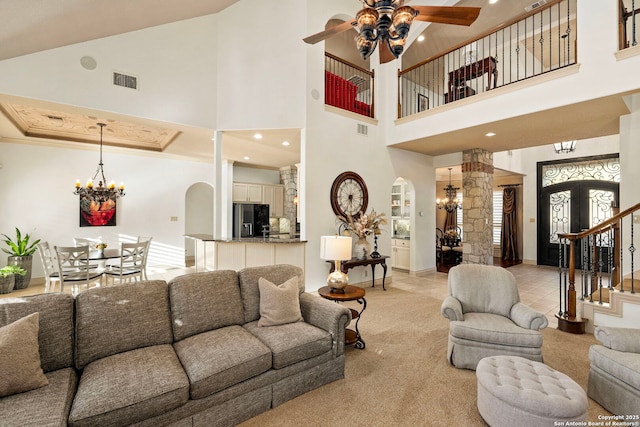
420 38
490 134
246 158
285 143
493 1
258 136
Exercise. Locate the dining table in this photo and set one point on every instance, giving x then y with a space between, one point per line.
103 255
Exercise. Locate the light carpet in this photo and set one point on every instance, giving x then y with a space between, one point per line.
402 377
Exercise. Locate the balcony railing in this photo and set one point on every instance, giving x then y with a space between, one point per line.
348 86
627 23
532 44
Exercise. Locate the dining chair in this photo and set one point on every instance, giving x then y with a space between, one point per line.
146 253
50 265
132 263
91 242
74 267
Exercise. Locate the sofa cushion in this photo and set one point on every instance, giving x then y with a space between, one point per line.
220 358
494 329
20 368
293 342
483 288
204 301
622 365
44 406
56 334
121 318
128 387
249 285
279 304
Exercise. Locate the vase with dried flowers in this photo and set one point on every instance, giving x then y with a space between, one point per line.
361 226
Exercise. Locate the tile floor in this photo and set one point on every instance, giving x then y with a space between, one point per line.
538 285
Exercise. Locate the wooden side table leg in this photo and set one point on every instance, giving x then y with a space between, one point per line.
384 274
373 275
360 344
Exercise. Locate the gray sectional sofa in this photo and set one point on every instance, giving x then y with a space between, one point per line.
184 353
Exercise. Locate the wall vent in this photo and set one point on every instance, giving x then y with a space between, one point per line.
535 5
125 80
363 129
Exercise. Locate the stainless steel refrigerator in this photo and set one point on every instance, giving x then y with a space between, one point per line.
250 220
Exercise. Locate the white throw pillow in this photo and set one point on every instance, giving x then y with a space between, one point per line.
279 304
20 368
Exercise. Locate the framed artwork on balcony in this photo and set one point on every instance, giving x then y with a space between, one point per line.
423 103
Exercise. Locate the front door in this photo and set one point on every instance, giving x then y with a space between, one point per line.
574 205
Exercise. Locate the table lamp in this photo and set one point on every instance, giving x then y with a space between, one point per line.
336 248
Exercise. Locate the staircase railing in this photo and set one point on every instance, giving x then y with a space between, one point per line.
602 260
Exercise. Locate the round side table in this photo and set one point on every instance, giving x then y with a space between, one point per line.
351 293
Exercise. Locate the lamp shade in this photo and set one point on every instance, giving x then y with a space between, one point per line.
335 248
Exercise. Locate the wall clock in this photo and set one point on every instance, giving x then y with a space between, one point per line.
349 195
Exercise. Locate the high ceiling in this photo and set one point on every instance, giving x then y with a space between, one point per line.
35 26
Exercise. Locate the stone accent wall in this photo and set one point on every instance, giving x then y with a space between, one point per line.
288 177
477 214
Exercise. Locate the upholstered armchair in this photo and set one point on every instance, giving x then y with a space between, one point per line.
614 377
487 318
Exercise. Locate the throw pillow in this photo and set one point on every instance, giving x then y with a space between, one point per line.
279 304
20 368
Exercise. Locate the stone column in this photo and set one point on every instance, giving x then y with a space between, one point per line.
477 214
288 177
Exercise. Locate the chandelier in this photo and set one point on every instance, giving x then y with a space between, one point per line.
450 203
564 146
103 191
385 22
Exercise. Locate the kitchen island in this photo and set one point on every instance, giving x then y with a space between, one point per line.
238 253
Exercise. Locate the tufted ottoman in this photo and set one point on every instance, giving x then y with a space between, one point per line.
514 391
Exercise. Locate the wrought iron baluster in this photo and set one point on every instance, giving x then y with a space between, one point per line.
600 264
562 281
632 251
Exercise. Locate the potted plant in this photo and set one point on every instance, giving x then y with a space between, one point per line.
8 276
21 254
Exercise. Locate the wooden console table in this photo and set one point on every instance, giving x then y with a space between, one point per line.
354 262
458 77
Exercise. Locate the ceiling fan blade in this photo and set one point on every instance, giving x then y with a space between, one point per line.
385 53
329 32
447 14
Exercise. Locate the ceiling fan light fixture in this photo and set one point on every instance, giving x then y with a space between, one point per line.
402 20
365 47
366 20
396 46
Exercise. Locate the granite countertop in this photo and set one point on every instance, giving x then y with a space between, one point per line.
281 238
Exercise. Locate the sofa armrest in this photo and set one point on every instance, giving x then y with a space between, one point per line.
452 308
620 339
526 317
326 315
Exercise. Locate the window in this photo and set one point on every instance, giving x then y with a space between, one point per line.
497 217
459 216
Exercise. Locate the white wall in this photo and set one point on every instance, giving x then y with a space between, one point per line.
175 64
36 189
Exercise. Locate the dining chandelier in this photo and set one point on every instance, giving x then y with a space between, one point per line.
450 202
383 22
103 191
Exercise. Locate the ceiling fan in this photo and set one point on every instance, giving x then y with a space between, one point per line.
387 22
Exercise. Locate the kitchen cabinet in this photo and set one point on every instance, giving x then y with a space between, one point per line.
273 195
244 192
401 254
400 200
